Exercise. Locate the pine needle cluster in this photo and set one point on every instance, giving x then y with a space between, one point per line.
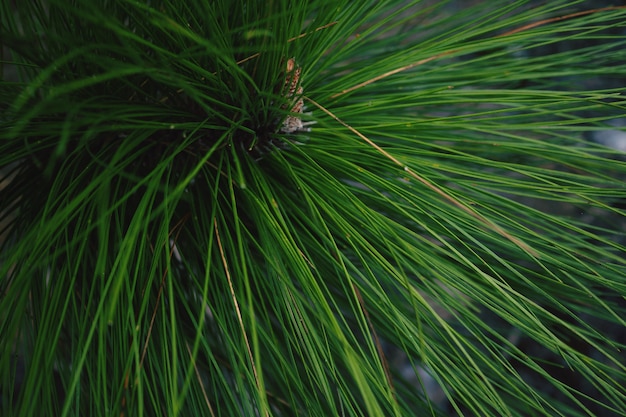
311 208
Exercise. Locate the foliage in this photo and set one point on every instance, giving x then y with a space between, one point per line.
170 249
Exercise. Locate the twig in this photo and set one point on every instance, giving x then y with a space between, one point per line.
204 394
442 54
302 35
392 72
485 221
379 347
177 227
559 18
232 293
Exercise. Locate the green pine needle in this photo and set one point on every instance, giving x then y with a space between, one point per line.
314 208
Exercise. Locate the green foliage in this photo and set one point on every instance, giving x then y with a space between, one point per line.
168 248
